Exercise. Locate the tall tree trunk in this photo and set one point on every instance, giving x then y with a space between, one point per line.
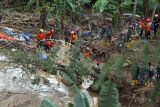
43 17
134 8
62 21
120 14
154 11
145 7
132 5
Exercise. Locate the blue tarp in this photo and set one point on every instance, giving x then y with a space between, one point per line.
86 34
9 31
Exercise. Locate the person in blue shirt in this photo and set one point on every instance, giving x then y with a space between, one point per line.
27 37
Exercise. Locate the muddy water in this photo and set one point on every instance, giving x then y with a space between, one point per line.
15 81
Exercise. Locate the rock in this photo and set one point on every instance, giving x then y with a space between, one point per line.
45 81
21 100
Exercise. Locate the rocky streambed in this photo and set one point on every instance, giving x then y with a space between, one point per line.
17 89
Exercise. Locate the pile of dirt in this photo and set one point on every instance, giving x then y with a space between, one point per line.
27 22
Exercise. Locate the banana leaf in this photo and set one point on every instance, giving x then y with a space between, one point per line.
114 63
109 96
81 100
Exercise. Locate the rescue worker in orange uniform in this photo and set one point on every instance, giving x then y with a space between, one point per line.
50 34
48 44
88 53
73 37
40 38
142 26
147 29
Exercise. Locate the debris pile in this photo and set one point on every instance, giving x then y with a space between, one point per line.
22 21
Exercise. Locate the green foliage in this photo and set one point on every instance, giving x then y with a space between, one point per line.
48 103
154 96
78 66
100 5
30 4
109 95
31 60
70 82
134 69
113 64
81 100
126 4
36 81
110 7
145 54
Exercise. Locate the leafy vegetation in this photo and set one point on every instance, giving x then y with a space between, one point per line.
107 83
109 95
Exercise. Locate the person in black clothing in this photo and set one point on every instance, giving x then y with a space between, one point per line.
150 72
156 23
158 72
106 33
67 33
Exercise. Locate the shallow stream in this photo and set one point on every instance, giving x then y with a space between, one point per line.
15 80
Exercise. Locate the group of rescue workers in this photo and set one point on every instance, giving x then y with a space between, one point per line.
142 28
139 29
46 39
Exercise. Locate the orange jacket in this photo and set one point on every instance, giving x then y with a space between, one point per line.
49 34
147 27
41 36
49 44
88 54
73 38
142 25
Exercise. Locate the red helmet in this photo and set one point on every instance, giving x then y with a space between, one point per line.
148 20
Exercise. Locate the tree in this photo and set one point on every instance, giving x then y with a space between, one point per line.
43 7
145 7
112 8
59 8
134 8
157 2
